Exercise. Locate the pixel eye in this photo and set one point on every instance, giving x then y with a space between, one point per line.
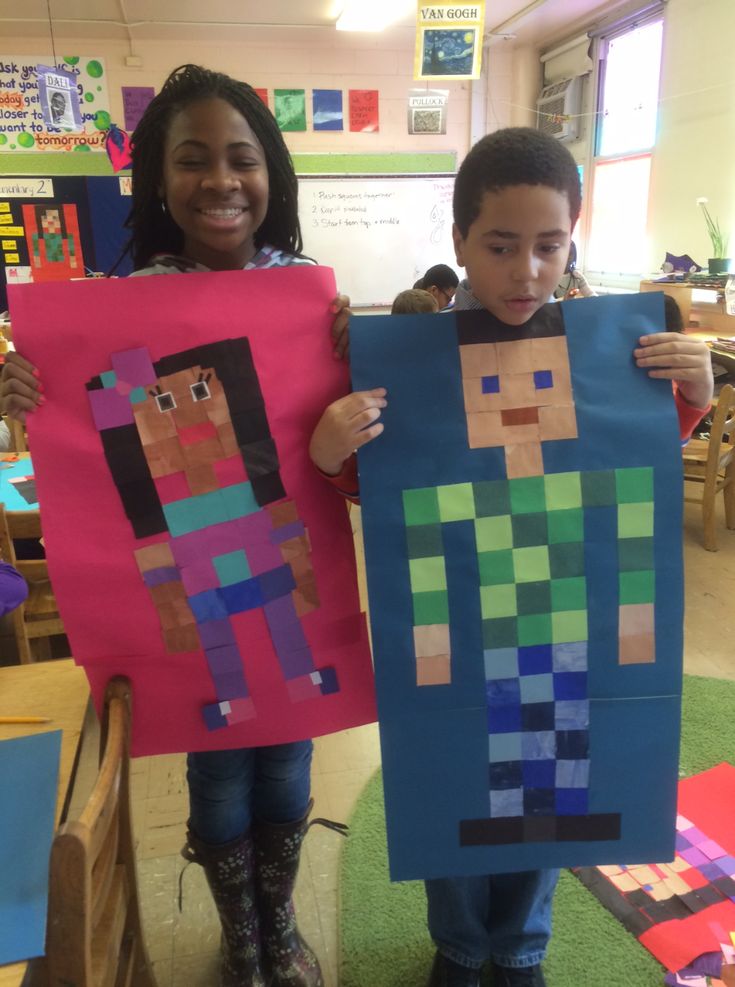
543 379
491 384
165 401
200 391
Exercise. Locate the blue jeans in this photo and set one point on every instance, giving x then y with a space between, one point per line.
228 790
503 917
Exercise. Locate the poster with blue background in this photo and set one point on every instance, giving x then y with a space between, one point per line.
522 525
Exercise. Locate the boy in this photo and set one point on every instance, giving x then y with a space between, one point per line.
516 201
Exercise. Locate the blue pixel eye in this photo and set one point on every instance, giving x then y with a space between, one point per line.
491 385
543 379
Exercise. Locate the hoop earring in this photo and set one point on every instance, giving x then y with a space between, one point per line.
163 206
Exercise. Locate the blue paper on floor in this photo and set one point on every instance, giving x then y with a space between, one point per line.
29 770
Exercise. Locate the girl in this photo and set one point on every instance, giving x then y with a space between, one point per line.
214 189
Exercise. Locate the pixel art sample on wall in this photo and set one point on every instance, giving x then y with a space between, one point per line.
54 247
526 571
189 447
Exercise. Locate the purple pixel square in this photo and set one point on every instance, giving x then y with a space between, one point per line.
542 379
164 574
230 686
213 717
223 659
696 836
711 871
110 409
287 531
682 843
217 539
693 856
216 633
295 664
285 627
134 367
277 583
491 384
726 865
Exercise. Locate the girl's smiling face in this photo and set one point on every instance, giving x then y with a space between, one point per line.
215 183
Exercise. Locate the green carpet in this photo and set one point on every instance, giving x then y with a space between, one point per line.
384 941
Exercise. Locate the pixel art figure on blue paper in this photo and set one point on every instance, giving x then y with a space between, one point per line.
190 450
529 535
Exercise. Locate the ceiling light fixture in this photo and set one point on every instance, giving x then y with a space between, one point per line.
359 15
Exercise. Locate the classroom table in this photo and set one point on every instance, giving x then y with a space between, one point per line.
17 496
57 690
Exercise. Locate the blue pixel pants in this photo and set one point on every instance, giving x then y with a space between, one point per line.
228 790
503 917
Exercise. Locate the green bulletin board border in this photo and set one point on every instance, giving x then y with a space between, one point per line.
91 163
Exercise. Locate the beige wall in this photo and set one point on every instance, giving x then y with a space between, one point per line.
309 59
695 152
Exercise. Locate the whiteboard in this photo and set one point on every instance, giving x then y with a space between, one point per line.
379 234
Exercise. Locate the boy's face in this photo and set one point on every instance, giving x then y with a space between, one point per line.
516 250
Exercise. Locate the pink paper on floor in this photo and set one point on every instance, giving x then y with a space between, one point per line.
289 591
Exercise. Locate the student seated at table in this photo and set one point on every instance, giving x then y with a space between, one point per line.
414 300
13 588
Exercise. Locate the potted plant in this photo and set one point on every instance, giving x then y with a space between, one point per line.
719 262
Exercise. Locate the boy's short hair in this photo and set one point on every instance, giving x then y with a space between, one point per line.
514 156
414 300
441 276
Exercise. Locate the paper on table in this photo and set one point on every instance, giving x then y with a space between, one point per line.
29 770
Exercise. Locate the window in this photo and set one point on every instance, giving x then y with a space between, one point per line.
625 137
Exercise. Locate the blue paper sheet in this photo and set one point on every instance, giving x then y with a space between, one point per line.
527 620
29 771
17 486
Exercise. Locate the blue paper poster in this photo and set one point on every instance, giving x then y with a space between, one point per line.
18 486
29 770
522 524
327 109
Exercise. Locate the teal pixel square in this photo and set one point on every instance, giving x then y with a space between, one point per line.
108 378
138 395
232 568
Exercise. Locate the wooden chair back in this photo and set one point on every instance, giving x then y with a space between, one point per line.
18 437
36 620
94 936
711 463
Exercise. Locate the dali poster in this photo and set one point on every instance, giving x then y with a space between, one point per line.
522 522
192 545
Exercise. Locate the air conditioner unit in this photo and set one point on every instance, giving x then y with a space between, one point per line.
558 107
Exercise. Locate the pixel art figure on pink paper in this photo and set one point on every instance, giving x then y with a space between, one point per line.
190 450
54 246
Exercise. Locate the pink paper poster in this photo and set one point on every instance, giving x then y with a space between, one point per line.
135 101
192 545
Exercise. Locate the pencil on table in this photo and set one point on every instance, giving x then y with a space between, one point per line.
24 719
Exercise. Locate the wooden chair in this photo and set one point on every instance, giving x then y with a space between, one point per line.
711 463
94 936
18 437
36 620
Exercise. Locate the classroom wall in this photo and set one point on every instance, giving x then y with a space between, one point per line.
695 152
307 58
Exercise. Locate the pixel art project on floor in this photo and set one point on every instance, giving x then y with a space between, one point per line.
683 909
176 478
516 527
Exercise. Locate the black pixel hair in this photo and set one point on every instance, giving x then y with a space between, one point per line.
232 362
514 156
152 230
